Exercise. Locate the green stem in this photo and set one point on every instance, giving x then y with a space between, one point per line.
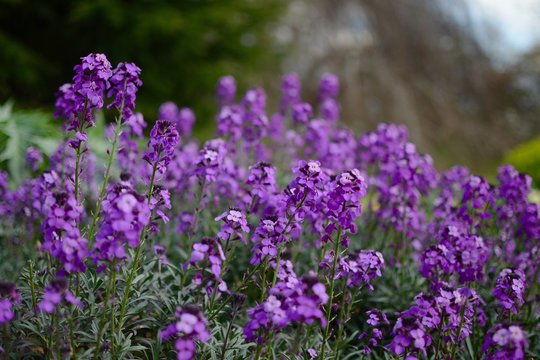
330 295
341 318
281 247
225 341
77 166
194 226
113 307
211 316
258 352
101 328
462 318
136 260
31 283
263 282
95 217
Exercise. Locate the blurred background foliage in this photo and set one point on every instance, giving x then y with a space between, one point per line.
182 46
437 66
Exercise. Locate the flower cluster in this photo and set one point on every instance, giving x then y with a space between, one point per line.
8 297
505 342
190 325
125 214
56 293
163 141
510 289
376 320
456 253
183 118
208 254
291 301
60 228
125 83
77 101
234 226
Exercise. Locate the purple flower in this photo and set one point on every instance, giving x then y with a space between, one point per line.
505 342
208 254
125 83
183 118
290 92
77 102
56 293
330 110
163 141
328 86
366 267
136 124
267 237
34 159
161 253
226 90
262 179
254 101
301 113
290 301
510 289
229 122
8 297
125 214
62 238
190 325
211 160
234 225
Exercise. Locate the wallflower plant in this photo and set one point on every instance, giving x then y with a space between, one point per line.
287 236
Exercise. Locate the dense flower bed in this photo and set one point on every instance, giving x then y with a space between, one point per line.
286 237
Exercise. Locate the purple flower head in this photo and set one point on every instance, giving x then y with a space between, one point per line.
409 336
208 254
56 293
186 120
62 238
510 289
290 301
267 237
125 214
234 225
183 118
476 201
365 267
262 179
301 113
34 159
211 160
163 141
505 342
168 111
136 124
229 122
309 175
330 110
254 127
343 200
77 102
377 317
328 86
8 298
226 90
459 308
161 254
125 82
254 101
290 92
190 325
